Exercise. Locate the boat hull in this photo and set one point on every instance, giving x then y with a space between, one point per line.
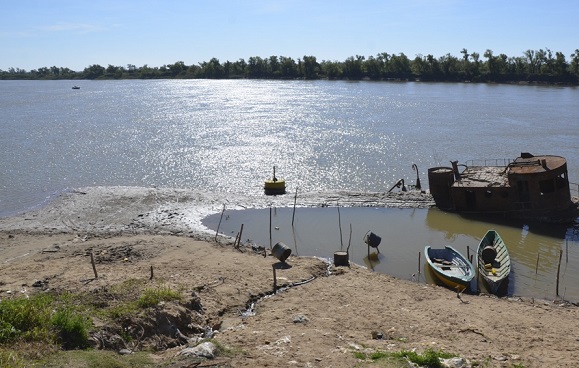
493 261
530 188
450 267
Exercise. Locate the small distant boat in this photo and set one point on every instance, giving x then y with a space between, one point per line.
494 262
75 87
274 185
451 267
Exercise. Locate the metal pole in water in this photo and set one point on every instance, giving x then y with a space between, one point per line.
218 225
559 269
340 226
269 227
294 212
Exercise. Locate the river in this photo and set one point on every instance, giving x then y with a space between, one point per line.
225 136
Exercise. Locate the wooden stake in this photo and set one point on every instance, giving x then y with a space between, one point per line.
340 226
349 240
419 263
269 227
468 253
239 237
96 276
150 278
274 280
294 212
558 270
218 225
537 265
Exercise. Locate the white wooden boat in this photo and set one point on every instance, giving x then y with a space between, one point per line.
493 260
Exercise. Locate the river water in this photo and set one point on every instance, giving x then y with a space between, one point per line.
225 136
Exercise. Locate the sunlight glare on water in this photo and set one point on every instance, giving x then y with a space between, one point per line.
226 135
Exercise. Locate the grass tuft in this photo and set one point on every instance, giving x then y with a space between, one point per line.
429 359
152 297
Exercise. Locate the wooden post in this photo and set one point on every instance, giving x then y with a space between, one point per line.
150 278
340 226
274 280
349 240
235 241
239 237
96 276
419 263
537 265
294 212
218 225
270 227
559 270
468 253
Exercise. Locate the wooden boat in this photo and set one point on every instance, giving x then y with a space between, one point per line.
75 87
451 267
274 185
494 262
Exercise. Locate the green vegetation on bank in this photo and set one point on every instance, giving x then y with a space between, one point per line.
540 66
56 327
430 358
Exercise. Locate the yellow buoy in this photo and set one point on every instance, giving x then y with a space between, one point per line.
274 185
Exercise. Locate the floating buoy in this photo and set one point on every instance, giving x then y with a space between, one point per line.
274 185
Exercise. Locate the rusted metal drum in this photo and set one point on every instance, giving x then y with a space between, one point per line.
281 251
341 258
372 239
440 179
488 254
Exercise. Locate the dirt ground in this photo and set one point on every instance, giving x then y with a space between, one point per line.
321 315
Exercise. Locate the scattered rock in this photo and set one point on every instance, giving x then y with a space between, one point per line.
300 318
377 335
455 363
204 350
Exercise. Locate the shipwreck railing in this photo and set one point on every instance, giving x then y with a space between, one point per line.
498 162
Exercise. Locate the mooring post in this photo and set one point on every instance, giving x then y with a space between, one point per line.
96 276
419 263
294 212
270 227
559 269
340 226
218 225
537 265
239 240
274 279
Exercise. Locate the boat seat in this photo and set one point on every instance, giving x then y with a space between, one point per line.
442 261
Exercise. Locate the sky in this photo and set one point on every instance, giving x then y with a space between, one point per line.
79 33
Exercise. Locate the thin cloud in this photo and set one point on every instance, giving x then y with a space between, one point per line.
73 27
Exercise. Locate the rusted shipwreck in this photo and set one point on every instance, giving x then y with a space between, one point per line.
533 188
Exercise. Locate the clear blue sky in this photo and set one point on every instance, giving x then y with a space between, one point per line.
79 33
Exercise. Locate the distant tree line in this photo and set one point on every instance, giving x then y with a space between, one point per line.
543 66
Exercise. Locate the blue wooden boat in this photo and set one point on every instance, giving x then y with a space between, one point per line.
450 267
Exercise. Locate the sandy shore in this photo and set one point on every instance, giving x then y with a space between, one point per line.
319 323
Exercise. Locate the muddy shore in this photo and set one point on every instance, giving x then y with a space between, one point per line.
319 323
